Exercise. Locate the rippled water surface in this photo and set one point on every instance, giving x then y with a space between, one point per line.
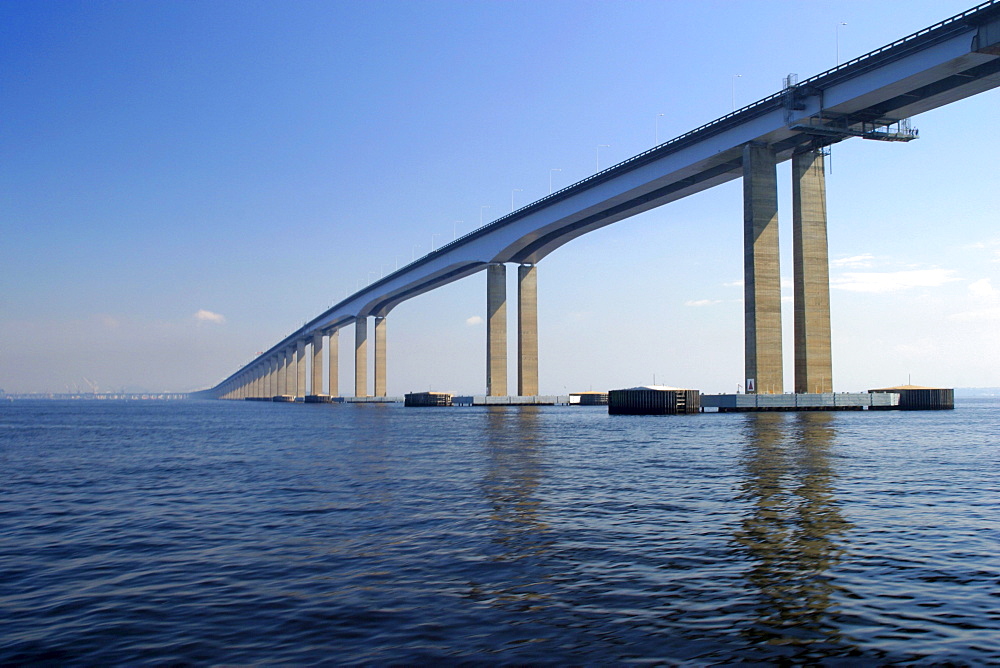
240 532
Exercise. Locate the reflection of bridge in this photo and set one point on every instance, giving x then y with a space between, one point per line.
869 97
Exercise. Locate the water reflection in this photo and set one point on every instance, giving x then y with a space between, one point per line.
792 532
514 461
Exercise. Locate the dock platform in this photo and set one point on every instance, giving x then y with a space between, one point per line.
827 401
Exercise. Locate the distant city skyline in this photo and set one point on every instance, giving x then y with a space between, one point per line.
185 184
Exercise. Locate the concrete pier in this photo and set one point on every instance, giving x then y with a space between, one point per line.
334 370
761 272
290 371
810 257
496 330
317 364
527 330
300 368
380 353
361 357
282 363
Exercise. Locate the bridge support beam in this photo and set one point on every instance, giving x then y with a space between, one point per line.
290 371
300 368
380 353
761 272
317 364
496 330
361 357
282 363
527 330
811 265
334 371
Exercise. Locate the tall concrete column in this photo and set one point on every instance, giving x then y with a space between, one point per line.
380 352
811 264
300 367
275 385
527 330
761 271
291 372
282 372
361 357
496 330
334 363
317 363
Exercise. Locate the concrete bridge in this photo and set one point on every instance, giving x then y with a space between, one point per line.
870 97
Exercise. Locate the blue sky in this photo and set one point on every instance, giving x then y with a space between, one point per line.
184 183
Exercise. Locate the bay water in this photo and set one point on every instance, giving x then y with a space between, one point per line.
205 532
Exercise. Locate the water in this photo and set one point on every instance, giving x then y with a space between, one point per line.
242 532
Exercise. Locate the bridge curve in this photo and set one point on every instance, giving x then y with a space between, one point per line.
868 97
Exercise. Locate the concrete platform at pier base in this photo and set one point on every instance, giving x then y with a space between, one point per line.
283 398
257 399
827 401
483 400
368 400
317 399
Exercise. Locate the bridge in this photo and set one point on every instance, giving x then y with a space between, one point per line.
870 97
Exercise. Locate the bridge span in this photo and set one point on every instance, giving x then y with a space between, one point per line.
870 97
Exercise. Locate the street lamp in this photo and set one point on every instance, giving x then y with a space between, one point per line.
550 178
485 206
735 77
413 256
454 229
515 190
657 131
599 147
838 40
436 234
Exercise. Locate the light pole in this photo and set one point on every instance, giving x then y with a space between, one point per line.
515 190
485 206
599 147
550 178
735 77
397 262
657 130
413 256
454 229
838 40
436 234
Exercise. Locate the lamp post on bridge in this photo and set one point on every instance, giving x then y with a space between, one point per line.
599 147
842 23
436 234
485 206
515 190
550 178
735 77
454 229
657 130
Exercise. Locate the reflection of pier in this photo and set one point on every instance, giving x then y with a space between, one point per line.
520 535
791 529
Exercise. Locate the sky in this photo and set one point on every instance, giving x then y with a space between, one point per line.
183 184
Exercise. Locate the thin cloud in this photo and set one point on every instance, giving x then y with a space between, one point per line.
854 262
208 316
702 302
473 321
893 281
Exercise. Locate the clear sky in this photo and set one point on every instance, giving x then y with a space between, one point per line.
184 183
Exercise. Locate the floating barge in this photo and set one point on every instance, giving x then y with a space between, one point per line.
918 398
427 399
653 400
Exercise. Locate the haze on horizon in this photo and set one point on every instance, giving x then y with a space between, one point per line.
184 184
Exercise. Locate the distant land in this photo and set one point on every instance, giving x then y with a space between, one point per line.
977 391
